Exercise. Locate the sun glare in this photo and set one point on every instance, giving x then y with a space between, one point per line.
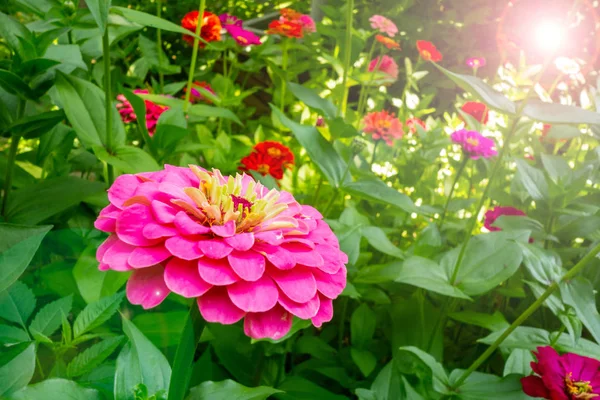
549 36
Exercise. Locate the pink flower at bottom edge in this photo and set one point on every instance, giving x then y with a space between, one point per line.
242 251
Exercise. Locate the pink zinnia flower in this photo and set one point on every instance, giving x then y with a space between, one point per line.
242 36
474 144
383 25
308 24
153 111
566 377
227 19
239 249
382 125
476 62
492 215
387 65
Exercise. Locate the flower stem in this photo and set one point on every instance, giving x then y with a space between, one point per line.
184 356
188 91
108 103
347 53
374 153
364 88
284 64
12 156
530 310
161 76
459 172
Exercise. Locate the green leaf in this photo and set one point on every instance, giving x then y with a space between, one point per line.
16 35
533 180
150 20
579 294
15 85
362 326
364 360
97 313
93 356
128 159
17 303
36 125
489 387
203 110
17 248
320 151
56 389
377 190
99 9
162 329
313 100
33 204
49 318
557 168
10 335
140 362
228 389
17 367
493 322
555 113
298 388
440 378
68 55
482 91
170 129
379 240
519 362
139 108
563 132
542 264
155 56
429 275
94 284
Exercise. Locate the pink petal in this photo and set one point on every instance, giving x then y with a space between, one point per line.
249 265
164 213
215 306
301 310
216 272
256 296
146 287
274 324
142 257
130 225
304 255
311 212
123 189
298 283
107 219
103 267
325 313
304 243
116 256
227 230
330 285
241 241
214 248
274 238
278 256
332 257
188 226
107 244
158 231
182 278
183 248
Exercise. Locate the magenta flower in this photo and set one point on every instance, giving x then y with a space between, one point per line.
476 62
153 111
227 19
387 65
241 250
308 24
492 215
474 144
383 25
242 36
566 377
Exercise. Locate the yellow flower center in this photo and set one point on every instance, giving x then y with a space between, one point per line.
384 123
473 141
263 168
476 63
580 389
426 55
274 152
242 39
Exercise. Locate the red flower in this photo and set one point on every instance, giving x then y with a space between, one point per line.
382 125
412 123
566 377
428 51
286 28
387 42
198 95
477 110
211 27
269 158
492 215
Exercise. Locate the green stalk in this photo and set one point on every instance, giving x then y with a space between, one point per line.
530 310
188 92
12 156
374 153
364 88
459 172
161 76
284 64
337 190
108 104
184 356
347 54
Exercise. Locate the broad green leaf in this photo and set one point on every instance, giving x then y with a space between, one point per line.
17 367
313 100
493 322
481 90
94 284
97 313
440 378
33 204
93 356
17 248
10 335
140 362
203 110
377 190
364 360
49 318
379 273
155 56
388 383
17 303
162 329
228 390
69 56
429 241
533 180
563 132
150 20
128 159
362 326
139 108
298 388
36 125
480 386
579 294
542 264
557 168
56 389
40 7
99 9
379 240
170 129
518 362
320 151
429 275
17 36
15 85
555 113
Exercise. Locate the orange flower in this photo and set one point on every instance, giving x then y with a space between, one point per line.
291 29
211 27
290 14
428 51
382 125
387 42
269 158
477 110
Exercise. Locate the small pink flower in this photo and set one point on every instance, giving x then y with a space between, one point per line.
227 19
241 250
476 62
474 144
492 215
383 25
153 111
387 65
308 24
242 36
